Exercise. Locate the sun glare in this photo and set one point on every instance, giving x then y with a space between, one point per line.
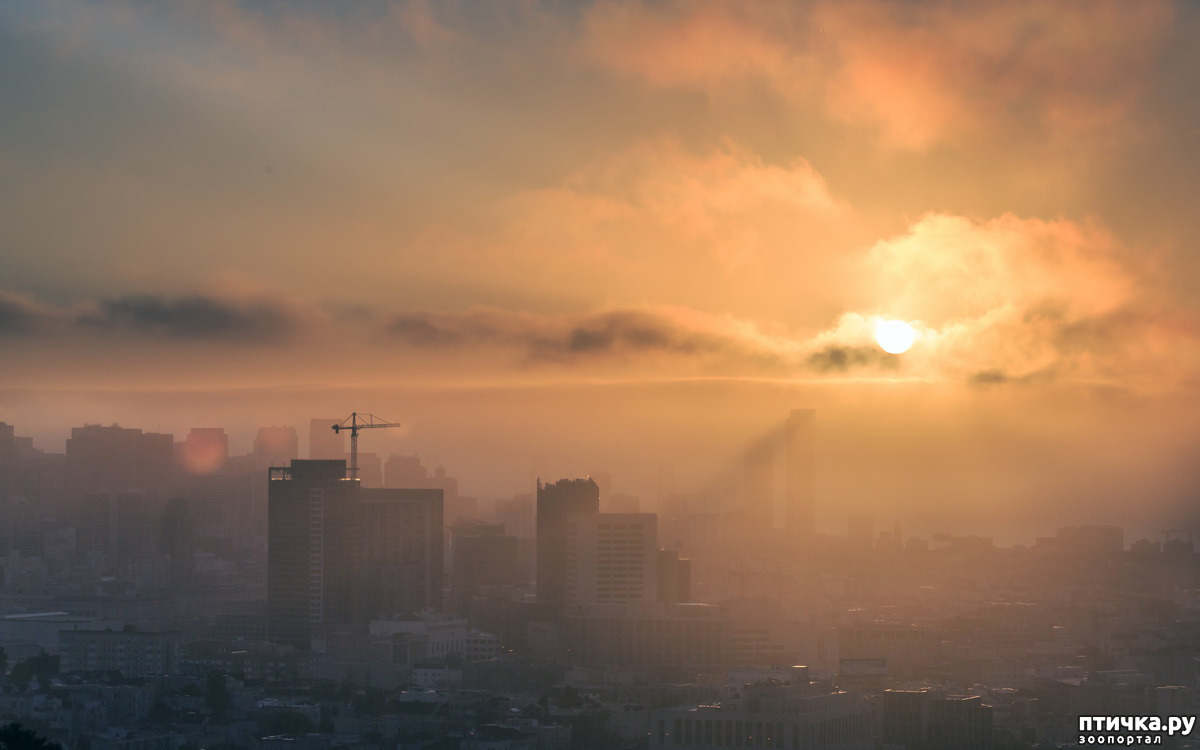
894 336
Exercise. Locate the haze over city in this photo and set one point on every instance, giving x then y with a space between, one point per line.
814 375
565 237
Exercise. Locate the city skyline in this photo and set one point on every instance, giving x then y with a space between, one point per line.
114 461
625 236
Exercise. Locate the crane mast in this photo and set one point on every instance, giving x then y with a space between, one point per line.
354 423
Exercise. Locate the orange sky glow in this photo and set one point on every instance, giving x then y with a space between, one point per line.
556 238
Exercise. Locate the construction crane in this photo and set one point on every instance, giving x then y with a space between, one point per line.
354 423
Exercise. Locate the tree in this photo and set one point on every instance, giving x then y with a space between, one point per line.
15 737
40 666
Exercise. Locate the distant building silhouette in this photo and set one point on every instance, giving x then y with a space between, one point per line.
674 577
114 531
338 553
176 543
408 471
116 459
517 515
482 555
323 443
555 502
205 450
276 446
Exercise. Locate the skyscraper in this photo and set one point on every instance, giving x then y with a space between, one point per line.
205 450
340 554
308 549
276 446
397 552
115 459
611 558
554 503
323 442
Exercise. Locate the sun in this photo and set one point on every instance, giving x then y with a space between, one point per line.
894 336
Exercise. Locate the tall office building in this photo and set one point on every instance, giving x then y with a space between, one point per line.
555 502
324 444
611 558
115 459
674 577
801 501
339 554
276 446
482 555
308 549
398 552
114 530
205 450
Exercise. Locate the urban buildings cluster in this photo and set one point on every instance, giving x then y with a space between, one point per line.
157 593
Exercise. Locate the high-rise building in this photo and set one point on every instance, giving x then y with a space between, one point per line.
176 544
338 553
611 558
674 577
516 515
404 471
370 470
114 531
398 552
555 502
276 446
325 444
482 555
801 502
204 451
115 459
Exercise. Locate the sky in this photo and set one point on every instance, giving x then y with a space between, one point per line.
555 238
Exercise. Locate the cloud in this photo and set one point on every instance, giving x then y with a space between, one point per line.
687 338
658 221
560 337
845 358
20 315
201 317
216 317
948 267
915 74
1012 299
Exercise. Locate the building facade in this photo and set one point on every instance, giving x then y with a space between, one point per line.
611 558
339 554
555 502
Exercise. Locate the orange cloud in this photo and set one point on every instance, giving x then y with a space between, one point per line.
916 74
1015 299
721 229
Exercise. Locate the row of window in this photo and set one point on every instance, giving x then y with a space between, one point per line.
765 734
